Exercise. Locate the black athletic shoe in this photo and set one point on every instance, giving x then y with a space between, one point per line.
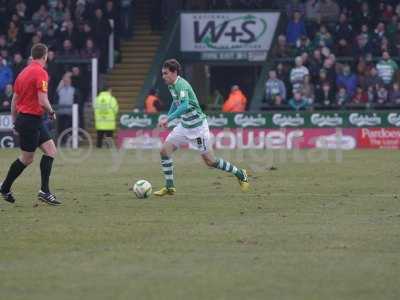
48 198
8 197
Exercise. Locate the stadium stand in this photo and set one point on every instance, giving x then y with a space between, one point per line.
339 54
352 62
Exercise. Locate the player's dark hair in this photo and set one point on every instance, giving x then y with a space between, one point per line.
39 51
172 65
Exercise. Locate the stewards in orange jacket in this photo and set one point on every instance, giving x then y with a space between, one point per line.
236 101
152 103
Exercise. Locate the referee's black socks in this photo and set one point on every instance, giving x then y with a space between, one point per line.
15 170
46 164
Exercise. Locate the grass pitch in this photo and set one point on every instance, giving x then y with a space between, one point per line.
310 229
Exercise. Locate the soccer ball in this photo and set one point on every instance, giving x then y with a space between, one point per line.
142 189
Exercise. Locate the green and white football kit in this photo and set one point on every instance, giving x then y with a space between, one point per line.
192 129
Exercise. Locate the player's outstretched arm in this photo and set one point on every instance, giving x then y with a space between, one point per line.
181 109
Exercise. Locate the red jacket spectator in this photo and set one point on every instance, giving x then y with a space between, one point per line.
152 103
236 101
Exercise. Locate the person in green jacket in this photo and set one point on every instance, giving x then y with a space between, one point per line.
105 115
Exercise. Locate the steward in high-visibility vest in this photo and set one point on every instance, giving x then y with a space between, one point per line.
105 115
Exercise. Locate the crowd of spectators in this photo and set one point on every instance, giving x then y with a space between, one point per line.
336 54
72 29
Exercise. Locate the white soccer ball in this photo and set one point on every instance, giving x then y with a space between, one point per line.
142 189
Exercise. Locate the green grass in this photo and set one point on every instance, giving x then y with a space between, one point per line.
308 230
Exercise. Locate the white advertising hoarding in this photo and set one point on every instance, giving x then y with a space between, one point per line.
215 32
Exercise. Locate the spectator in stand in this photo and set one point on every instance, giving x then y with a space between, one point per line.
5 98
54 71
329 67
386 68
127 18
81 85
281 49
297 74
6 75
312 11
342 97
303 45
37 38
13 34
3 43
49 31
348 80
20 10
392 27
295 6
315 64
362 46
396 41
323 38
343 48
112 14
236 101
90 51
387 12
394 95
275 90
360 96
308 90
84 33
362 71
101 31
68 50
68 32
381 95
363 17
78 81
47 25
66 96
282 72
343 30
377 37
40 16
325 95
57 12
298 102
372 79
80 8
295 29
366 32
152 102
371 94
18 64
329 10
385 45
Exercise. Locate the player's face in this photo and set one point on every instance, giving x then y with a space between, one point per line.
168 76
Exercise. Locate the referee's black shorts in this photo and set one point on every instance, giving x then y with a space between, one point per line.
32 132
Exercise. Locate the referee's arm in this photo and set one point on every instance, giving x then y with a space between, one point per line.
45 103
13 107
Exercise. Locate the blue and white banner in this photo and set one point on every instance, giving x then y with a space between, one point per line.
215 32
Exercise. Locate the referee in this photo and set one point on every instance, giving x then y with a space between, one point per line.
29 103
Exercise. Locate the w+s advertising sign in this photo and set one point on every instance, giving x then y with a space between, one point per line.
216 32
